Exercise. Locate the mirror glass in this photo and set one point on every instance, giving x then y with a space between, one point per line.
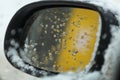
61 39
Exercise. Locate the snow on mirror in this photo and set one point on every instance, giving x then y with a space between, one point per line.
62 39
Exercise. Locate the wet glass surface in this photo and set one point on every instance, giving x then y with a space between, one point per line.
61 39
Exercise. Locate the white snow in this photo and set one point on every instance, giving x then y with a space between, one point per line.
7 72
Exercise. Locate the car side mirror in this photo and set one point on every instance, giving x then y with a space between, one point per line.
50 37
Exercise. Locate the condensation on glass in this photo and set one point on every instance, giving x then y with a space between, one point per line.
61 39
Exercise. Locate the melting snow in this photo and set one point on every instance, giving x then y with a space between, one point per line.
8 9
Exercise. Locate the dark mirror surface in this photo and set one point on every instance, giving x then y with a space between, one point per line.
62 39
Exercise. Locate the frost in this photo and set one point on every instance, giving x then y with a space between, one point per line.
112 53
13 32
16 60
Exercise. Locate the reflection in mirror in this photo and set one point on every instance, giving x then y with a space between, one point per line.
61 39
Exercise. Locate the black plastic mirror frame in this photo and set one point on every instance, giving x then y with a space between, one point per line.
18 21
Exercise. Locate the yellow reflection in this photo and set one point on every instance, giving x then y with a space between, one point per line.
78 41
